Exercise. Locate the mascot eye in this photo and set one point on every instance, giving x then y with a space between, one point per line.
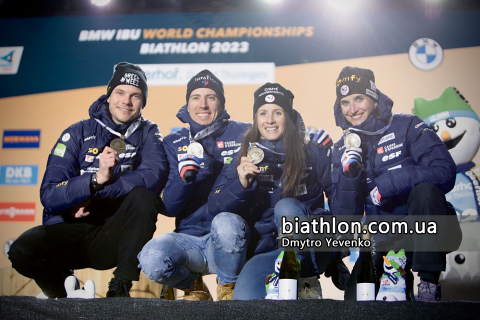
451 123
434 127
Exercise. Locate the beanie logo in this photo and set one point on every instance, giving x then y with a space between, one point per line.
352 78
205 82
270 98
344 89
131 79
373 86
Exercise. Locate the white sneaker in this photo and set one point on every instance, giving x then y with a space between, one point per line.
72 287
309 288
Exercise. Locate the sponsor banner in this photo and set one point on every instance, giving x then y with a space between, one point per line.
19 175
229 73
10 59
17 211
21 139
283 38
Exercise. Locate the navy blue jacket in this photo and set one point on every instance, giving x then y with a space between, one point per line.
256 203
66 183
400 156
188 201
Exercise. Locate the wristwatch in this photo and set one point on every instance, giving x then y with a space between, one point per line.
94 185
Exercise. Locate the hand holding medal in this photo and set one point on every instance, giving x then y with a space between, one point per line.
255 153
119 145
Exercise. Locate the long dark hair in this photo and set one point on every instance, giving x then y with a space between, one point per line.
295 155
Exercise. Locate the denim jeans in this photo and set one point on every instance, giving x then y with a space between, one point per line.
251 281
175 259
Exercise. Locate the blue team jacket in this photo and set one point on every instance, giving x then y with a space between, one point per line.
188 201
66 183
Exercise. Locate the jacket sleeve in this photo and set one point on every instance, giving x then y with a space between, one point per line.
228 194
433 163
176 192
62 186
150 171
347 195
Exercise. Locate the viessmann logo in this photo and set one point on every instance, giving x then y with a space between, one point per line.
17 211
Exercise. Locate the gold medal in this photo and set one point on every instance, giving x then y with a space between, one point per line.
195 149
352 140
118 145
256 154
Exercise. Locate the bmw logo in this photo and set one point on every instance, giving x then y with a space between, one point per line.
344 89
425 54
270 98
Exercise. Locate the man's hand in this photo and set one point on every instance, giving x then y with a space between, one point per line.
83 210
351 159
246 171
108 160
188 167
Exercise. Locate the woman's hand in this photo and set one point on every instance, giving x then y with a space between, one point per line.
246 171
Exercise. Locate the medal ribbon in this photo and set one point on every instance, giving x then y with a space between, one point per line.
207 131
261 146
131 129
368 133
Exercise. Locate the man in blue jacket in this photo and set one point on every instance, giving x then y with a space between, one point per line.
99 192
204 242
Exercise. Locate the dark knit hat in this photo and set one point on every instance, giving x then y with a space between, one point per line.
206 79
273 93
127 73
356 80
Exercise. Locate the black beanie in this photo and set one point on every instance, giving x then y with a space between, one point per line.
356 80
206 79
273 93
127 73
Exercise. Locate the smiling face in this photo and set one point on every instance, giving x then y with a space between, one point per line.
125 103
461 136
356 108
203 106
271 121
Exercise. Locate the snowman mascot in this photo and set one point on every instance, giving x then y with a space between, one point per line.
455 122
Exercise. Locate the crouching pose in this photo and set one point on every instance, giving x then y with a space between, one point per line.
99 192
390 166
278 174
204 242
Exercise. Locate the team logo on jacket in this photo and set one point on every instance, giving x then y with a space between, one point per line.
391 156
66 137
220 145
89 158
270 98
344 89
386 138
380 150
425 54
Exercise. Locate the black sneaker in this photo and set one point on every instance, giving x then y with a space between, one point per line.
119 288
429 292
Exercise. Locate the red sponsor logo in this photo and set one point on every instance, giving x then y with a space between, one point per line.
220 145
17 211
380 150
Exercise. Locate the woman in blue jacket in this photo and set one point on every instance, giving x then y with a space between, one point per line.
399 167
290 179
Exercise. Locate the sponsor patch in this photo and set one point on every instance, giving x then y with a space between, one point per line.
19 175
371 94
17 211
179 156
229 144
380 150
127 167
179 139
220 145
21 139
89 138
344 90
227 160
418 125
391 156
60 150
396 167
66 137
386 138
230 152
89 158
392 146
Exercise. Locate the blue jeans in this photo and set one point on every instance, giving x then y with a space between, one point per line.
175 259
251 281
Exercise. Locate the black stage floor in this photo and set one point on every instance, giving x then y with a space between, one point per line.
15 307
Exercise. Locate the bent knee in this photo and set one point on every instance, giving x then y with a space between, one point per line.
230 232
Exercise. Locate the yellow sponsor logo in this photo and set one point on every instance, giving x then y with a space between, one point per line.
353 78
